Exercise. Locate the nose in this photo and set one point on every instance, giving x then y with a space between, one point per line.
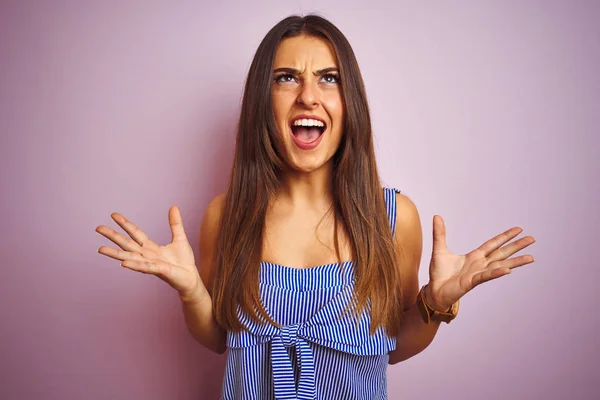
308 96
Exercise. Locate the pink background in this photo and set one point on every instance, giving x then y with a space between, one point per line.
484 112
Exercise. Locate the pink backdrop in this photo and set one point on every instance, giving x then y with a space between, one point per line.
487 114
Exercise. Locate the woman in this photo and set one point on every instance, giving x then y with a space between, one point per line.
307 267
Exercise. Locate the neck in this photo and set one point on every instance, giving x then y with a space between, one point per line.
312 189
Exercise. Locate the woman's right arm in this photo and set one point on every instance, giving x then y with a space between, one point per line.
197 307
175 264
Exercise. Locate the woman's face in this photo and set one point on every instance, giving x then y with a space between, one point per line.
307 101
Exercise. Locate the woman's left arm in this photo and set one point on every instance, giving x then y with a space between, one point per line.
451 276
415 335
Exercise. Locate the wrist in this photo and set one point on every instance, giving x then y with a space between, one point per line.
195 296
433 302
431 309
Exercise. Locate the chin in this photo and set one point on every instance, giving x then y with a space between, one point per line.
307 164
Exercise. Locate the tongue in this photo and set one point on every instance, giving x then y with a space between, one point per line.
306 135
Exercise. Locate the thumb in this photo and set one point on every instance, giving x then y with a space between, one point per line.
176 224
439 234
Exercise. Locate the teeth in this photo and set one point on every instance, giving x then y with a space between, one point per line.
308 122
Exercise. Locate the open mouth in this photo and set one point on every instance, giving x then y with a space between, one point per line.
307 131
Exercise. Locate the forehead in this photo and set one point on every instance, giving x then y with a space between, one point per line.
297 51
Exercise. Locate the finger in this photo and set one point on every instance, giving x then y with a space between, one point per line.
439 233
157 268
500 268
132 230
120 254
514 262
176 223
499 240
506 251
120 240
488 274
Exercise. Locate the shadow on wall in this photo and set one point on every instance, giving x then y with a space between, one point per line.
206 380
205 368
183 368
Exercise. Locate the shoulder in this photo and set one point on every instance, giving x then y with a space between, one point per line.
214 210
211 219
407 215
209 233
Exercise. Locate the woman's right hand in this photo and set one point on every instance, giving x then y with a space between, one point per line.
173 263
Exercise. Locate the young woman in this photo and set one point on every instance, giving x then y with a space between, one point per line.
307 267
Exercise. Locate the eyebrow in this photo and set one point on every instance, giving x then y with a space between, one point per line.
295 71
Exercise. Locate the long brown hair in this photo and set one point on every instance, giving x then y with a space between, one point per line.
255 179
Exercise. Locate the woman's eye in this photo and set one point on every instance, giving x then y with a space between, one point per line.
331 78
284 78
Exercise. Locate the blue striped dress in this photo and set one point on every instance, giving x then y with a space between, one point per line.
320 352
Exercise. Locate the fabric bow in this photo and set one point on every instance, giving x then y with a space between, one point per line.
330 327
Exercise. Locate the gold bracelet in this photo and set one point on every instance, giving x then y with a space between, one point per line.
431 314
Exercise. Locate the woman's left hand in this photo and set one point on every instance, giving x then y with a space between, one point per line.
451 276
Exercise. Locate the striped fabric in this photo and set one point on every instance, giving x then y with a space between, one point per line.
320 352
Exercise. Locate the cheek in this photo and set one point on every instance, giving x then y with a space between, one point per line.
335 108
277 106
282 105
